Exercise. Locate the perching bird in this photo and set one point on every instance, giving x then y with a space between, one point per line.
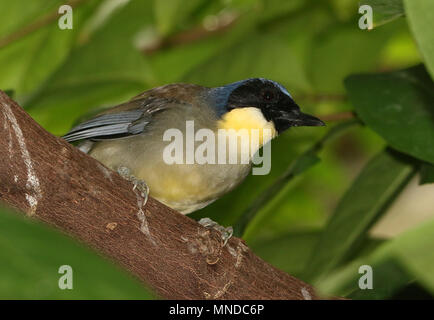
130 136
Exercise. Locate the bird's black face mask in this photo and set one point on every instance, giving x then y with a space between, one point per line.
275 103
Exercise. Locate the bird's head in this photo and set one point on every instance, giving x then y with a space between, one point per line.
259 103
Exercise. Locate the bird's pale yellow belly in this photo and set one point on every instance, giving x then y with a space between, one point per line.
183 187
187 188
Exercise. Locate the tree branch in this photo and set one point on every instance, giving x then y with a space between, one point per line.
54 182
339 116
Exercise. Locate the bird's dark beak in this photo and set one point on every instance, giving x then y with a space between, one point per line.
293 117
302 119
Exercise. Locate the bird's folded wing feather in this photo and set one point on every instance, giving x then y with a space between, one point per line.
124 120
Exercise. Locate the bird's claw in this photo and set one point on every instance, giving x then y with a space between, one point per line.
138 185
141 186
226 233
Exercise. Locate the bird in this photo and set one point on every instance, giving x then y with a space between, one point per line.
130 137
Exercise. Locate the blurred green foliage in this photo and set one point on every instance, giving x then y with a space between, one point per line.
384 10
376 186
396 263
379 101
31 255
420 16
426 173
308 217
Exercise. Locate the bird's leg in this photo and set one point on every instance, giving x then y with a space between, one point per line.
226 233
138 184
141 190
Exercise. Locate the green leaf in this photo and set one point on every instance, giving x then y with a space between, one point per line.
291 252
384 10
415 250
380 181
388 277
395 263
30 257
426 173
420 16
399 106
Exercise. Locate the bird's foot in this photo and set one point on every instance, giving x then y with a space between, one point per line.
226 233
138 184
141 190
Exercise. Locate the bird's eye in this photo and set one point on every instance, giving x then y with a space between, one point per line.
268 95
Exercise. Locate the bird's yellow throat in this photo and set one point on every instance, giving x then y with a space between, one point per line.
251 119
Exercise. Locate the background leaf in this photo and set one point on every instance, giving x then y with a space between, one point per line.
420 15
375 188
426 173
388 277
415 250
399 106
31 255
384 10
395 264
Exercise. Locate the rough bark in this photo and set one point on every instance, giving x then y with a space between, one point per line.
52 181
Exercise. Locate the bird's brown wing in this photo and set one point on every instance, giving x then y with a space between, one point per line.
123 120
131 118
